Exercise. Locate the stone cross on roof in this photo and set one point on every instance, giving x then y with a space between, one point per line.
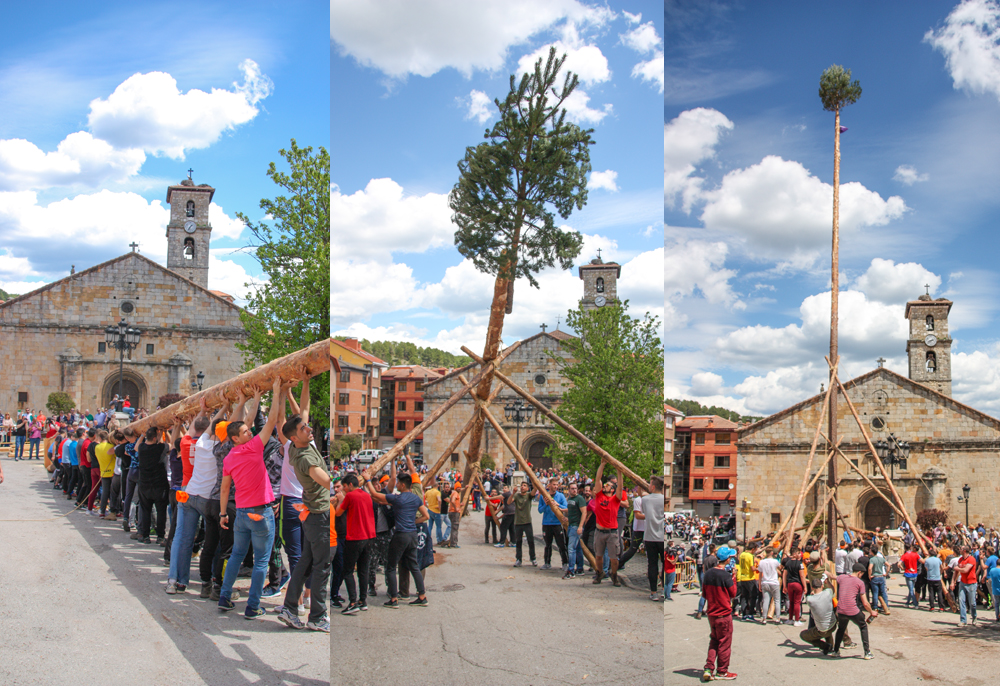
558 319
133 245
928 287
881 362
598 253
190 172
543 327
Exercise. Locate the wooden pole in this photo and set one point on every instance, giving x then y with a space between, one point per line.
496 518
834 307
819 512
879 491
301 364
596 449
481 406
429 476
881 468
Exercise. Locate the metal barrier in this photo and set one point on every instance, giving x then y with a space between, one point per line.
687 574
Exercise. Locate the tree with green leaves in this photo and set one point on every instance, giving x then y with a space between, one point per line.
532 166
291 309
616 392
59 402
836 91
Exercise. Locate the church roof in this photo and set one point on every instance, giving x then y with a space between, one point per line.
924 301
102 265
889 375
408 371
705 422
596 263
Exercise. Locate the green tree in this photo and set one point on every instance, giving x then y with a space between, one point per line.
59 402
616 391
291 310
532 165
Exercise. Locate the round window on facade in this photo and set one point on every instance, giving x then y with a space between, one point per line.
878 423
127 307
539 379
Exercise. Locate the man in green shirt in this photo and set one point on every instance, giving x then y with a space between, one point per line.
575 505
522 521
315 479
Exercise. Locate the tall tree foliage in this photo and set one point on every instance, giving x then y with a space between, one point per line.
402 352
292 244
616 396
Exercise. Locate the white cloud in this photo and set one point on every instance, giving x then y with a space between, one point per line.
148 111
907 174
361 288
605 179
976 378
480 107
651 70
688 139
400 37
579 111
697 265
632 18
642 38
970 42
784 212
79 159
373 223
706 383
895 284
223 226
642 283
230 277
586 61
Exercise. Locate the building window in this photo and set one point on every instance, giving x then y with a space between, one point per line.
342 421
930 323
418 406
374 372
374 414
22 396
600 285
364 378
418 386
343 399
401 406
699 485
401 386
362 421
720 484
101 348
775 520
699 439
345 377
188 248
454 458
931 361
364 399
699 460
401 425
190 208
540 379
375 392
721 439
667 445
149 348
721 461
668 422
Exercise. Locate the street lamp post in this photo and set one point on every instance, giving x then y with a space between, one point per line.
516 411
122 338
965 491
893 451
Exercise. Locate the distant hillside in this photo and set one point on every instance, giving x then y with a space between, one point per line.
397 353
4 295
692 407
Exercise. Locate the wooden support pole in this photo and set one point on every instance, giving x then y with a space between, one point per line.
481 406
819 512
596 449
486 506
301 364
429 476
871 483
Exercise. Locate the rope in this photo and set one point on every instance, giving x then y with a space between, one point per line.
52 519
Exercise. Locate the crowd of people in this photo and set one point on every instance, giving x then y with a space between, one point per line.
755 581
236 488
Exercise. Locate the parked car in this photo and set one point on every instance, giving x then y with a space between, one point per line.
369 456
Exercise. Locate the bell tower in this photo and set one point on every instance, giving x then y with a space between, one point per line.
929 345
600 283
189 231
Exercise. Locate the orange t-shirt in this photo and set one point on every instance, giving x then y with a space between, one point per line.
333 529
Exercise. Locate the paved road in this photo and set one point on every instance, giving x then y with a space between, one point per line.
910 646
81 603
491 623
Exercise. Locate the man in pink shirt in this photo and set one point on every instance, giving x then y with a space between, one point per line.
244 466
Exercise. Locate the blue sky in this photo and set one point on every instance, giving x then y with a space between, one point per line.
105 106
748 168
412 85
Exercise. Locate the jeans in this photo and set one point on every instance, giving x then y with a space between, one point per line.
34 448
315 558
668 584
19 447
490 522
446 518
454 520
105 494
262 534
575 551
436 523
878 590
967 591
911 597
180 553
290 531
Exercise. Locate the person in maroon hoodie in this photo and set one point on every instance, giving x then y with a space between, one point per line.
719 589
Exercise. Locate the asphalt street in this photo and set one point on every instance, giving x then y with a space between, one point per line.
491 623
81 603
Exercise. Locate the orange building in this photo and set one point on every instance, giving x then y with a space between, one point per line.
710 443
403 404
356 391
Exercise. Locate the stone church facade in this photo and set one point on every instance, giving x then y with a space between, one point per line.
532 368
952 445
52 339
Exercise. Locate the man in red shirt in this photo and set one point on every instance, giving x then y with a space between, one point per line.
967 584
86 482
606 505
360 519
911 562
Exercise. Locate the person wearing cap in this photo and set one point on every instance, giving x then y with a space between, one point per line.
384 523
719 589
850 598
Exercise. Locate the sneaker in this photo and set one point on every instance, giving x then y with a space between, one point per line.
569 575
517 564
706 676
290 620
834 654
849 644
534 563
284 582
351 609
206 589
372 592
254 614
171 587
868 655
301 609
655 597
420 602
146 541
134 536
404 596
337 602
225 604
363 605
796 623
724 676
322 624
391 604
546 566
161 541
455 546
498 545
270 592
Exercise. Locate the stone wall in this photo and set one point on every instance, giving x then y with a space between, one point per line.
951 445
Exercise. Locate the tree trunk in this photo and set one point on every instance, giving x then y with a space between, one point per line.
831 477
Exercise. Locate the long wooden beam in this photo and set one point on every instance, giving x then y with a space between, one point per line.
301 364
481 406
432 474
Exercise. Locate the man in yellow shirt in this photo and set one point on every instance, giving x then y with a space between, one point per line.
432 499
746 586
105 453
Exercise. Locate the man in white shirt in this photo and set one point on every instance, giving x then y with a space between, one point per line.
769 586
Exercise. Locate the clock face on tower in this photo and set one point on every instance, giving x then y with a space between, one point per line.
930 340
600 301
190 226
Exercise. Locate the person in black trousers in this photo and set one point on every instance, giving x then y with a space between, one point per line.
153 487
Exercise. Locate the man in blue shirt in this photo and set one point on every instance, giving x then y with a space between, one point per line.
933 566
551 528
69 462
994 578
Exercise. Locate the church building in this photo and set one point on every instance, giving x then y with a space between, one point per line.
53 338
951 445
531 368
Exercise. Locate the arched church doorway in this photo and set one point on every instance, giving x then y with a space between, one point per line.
877 514
132 386
535 454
